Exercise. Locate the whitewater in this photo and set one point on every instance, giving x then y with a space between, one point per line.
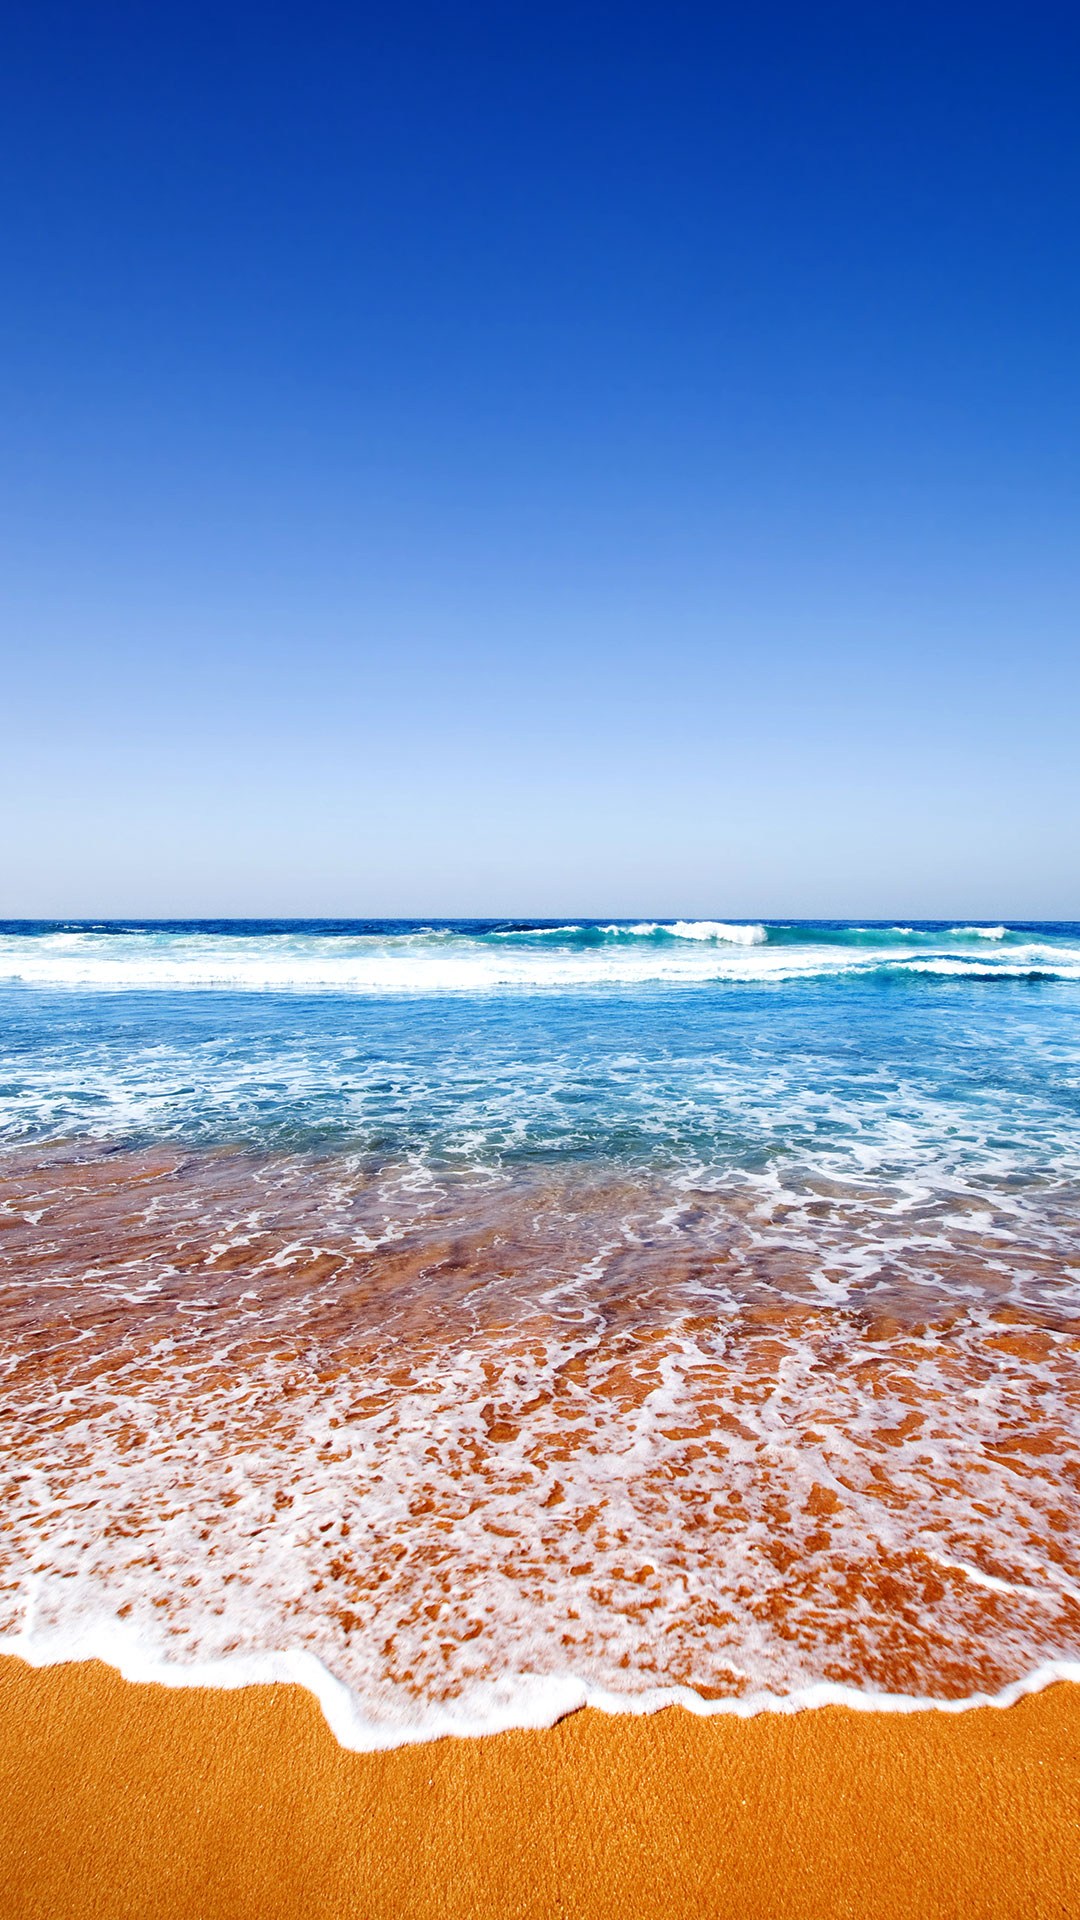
478 957
473 1320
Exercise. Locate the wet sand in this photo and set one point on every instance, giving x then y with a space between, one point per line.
519 1434
120 1800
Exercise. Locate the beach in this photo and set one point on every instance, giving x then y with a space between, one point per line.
540 964
119 1801
544 1418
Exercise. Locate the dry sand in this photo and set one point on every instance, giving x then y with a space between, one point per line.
142 1801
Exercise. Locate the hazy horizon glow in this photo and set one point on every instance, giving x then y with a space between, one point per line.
612 461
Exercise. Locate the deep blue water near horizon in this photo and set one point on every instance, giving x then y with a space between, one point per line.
586 930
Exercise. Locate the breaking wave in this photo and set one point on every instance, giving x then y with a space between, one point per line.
482 957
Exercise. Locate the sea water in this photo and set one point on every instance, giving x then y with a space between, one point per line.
473 1319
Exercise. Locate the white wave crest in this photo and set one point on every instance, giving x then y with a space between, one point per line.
733 933
695 953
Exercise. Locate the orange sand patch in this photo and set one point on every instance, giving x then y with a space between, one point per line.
121 1801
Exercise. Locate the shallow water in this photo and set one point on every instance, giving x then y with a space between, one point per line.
500 1347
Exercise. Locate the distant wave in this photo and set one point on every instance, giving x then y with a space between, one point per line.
589 933
732 933
575 957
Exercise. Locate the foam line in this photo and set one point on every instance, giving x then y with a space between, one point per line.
522 1702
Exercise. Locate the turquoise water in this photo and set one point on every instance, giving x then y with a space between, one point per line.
854 1048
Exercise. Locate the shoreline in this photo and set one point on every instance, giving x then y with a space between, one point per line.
541 1703
121 1799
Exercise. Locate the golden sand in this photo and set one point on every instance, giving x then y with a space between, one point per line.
140 1801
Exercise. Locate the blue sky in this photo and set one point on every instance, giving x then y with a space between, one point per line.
494 459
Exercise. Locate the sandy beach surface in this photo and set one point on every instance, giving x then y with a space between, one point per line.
121 1800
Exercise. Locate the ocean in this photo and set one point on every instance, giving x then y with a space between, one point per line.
471 1320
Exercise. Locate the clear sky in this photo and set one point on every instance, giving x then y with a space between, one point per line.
578 458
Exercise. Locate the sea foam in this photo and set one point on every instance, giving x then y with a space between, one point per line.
484 1330
569 959
482 1453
